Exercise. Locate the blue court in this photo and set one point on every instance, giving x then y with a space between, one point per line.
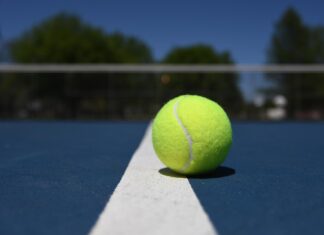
56 177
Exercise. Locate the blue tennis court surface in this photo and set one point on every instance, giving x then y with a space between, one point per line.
56 177
278 185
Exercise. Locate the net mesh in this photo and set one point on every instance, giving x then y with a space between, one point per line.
136 92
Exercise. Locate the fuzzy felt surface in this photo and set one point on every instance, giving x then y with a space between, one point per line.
191 134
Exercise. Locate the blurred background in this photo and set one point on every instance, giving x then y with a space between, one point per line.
213 33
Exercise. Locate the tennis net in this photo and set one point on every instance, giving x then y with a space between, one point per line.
135 92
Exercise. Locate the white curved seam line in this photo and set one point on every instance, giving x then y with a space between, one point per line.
187 135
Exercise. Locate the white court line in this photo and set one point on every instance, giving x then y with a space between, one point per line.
145 202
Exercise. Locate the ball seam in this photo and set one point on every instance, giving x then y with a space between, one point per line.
187 135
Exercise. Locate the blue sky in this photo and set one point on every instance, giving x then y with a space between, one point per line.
241 27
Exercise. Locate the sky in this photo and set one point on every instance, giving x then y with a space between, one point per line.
242 27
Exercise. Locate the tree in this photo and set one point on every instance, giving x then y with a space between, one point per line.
197 54
294 42
290 40
65 38
220 87
130 49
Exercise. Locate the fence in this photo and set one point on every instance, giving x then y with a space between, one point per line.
132 92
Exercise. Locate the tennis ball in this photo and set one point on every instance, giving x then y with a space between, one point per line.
191 134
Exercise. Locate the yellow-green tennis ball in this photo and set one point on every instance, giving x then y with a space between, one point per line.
191 134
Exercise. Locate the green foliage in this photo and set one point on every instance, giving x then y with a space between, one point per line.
66 38
290 40
130 49
197 54
62 39
294 42
221 87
